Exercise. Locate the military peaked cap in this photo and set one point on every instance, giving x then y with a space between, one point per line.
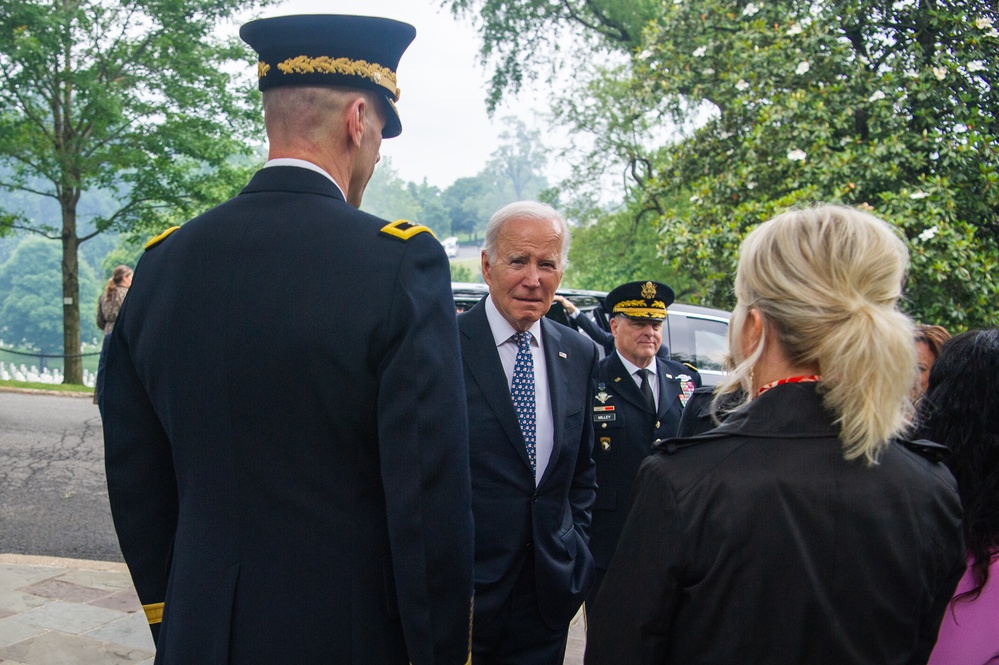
332 50
640 300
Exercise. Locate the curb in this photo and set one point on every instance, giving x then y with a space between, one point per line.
42 391
58 562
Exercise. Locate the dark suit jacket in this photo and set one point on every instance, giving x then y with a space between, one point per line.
511 515
757 542
624 428
286 438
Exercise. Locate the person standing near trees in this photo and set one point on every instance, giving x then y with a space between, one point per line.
288 467
107 311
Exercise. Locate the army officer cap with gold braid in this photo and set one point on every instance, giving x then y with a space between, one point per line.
645 301
332 50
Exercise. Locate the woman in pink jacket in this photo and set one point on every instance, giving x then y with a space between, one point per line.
961 410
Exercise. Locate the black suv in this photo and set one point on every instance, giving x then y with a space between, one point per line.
693 334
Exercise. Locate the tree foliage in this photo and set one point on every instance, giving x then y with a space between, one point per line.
133 98
31 301
887 106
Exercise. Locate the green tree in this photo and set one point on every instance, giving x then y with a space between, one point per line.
518 164
389 197
133 98
469 202
889 106
30 295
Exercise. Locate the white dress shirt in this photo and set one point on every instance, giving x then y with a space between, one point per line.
633 370
503 332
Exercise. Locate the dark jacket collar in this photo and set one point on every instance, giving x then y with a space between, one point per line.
792 410
291 179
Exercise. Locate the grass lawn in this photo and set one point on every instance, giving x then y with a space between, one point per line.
58 387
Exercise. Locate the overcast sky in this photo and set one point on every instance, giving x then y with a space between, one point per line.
446 131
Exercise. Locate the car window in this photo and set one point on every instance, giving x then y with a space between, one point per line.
702 342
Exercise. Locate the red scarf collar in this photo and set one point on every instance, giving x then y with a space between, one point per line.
805 378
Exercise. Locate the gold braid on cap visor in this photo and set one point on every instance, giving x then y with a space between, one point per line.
303 64
641 309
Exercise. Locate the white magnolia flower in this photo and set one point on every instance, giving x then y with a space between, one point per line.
993 33
708 72
877 96
750 185
918 195
912 73
982 23
928 233
793 30
940 73
699 53
796 155
741 85
976 66
750 10
695 198
803 67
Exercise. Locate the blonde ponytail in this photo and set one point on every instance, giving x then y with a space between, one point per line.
828 281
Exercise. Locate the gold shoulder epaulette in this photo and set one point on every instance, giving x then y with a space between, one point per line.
405 229
692 367
155 240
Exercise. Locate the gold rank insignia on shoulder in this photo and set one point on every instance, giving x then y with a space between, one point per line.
155 240
405 229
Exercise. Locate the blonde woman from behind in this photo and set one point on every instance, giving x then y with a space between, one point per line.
801 530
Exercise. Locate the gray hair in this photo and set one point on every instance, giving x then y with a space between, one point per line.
532 210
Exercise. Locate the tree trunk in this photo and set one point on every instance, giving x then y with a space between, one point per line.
73 367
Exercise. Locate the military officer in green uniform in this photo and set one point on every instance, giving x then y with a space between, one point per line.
284 414
639 398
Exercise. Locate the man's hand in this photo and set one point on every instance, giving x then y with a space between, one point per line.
569 307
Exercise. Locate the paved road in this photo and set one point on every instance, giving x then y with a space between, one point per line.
53 493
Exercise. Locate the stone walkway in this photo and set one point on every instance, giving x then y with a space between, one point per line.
70 612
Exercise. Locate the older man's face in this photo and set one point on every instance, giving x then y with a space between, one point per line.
526 270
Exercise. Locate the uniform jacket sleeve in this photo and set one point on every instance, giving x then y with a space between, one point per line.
142 486
423 438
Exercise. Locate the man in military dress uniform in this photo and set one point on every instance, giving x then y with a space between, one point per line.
639 398
285 429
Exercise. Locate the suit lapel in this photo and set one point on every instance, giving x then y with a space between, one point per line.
625 386
558 387
478 352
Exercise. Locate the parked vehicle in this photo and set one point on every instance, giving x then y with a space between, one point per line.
693 334
450 246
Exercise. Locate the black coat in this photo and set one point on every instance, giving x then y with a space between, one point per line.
286 437
511 514
625 427
758 543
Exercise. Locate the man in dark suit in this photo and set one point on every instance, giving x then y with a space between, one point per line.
530 439
286 439
639 398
